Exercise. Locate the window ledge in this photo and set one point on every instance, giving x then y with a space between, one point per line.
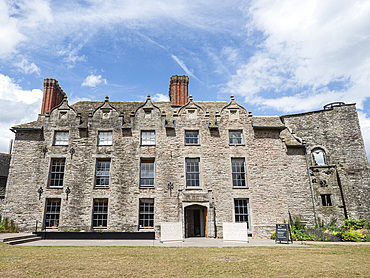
144 187
146 230
101 187
143 145
104 145
55 187
240 187
193 188
236 144
192 144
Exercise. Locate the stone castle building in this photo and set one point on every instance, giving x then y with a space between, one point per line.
130 166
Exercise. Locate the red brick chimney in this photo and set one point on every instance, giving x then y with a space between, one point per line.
178 91
53 95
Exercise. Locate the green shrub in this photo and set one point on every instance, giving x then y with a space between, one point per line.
352 223
273 235
353 235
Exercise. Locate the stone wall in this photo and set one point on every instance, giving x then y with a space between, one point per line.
346 173
277 180
276 172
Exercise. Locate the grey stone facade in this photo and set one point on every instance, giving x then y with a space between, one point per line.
273 150
4 170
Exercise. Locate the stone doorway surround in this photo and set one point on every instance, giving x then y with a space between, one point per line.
188 198
196 224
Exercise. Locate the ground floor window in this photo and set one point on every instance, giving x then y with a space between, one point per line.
326 200
100 213
52 213
241 207
146 214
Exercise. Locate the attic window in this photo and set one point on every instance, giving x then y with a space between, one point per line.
192 114
62 114
318 156
234 114
148 113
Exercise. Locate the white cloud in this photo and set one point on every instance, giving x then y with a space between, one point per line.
19 19
160 97
27 67
309 46
93 80
184 67
71 56
16 106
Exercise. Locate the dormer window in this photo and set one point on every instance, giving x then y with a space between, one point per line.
61 138
148 138
147 113
105 138
234 114
319 156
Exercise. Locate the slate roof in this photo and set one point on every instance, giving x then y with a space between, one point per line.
267 123
289 139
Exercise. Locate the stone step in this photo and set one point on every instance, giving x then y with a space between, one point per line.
20 239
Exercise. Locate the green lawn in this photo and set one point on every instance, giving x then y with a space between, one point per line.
314 261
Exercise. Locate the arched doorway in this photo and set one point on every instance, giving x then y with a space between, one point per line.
196 221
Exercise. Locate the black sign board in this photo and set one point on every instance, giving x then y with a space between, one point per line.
283 233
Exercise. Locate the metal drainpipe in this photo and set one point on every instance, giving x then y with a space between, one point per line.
309 178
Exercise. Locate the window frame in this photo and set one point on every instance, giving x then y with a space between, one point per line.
242 217
52 173
105 140
57 142
147 161
231 139
52 213
319 150
103 203
326 200
146 214
102 160
147 141
235 174
189 174
192 138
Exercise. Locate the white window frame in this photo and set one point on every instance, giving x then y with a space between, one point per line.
147 138
147 174
192 175
238 214
56 176
239 138
102 174
237 174
146 213
61 138
187 132
96 212
52 213
105 138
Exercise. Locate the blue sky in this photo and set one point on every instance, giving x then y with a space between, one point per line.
276 57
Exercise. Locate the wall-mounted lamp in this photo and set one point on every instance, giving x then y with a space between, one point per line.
44 150
72 151
170 187
40 191
67 191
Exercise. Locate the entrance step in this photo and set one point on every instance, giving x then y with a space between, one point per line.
12 240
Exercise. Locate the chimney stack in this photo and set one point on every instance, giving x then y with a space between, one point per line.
53 95
178 91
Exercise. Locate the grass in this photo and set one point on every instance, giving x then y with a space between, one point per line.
326 261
